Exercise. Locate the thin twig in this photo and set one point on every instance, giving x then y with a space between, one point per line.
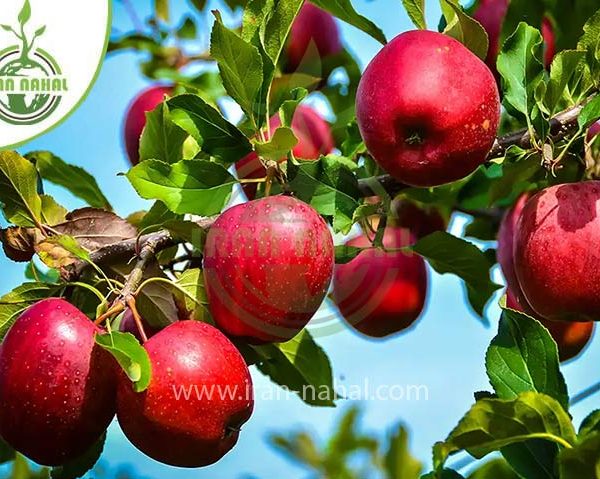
562 125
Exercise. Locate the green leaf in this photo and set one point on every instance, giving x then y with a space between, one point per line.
74 178
590 43
582 461
19 198
131 356
192 282
16 301
590 424
496 469
61 250
189 186
157 216
329 186
522 70
188 231
81 465
398 461
289 105
492 424
25 13
52 212
301 365
214 134
449 254
290 87
353 143
187 30
161 9
34 273
416 12
484 229
344 10
268 23
345 254
524 357
366 210
275 30
516 172
299 446
281 143
161 139
241 68
590 113
564 67
465 29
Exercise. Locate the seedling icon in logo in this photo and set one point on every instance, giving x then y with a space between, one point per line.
31 82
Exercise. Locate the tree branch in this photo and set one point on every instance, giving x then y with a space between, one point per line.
159 241
562 125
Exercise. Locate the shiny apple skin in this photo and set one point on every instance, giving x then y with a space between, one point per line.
57 387
267 267
193 358
313 38
381 293
428 109
556 261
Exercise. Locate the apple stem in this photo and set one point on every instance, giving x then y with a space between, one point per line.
137 318
414 139
271 172
116 308
134 279
252 180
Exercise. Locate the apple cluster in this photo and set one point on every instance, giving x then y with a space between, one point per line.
60 390
428 111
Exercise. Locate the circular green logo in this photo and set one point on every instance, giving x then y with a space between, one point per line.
31 85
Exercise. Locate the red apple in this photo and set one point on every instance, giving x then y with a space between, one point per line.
314 139
549 42
571 338
556 262
428 109
491 14
199 396
57 388
135 119
314 36
267 267
504 253
381 293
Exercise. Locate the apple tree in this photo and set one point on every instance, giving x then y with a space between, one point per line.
485 115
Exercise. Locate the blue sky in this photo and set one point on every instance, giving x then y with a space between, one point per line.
445 352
